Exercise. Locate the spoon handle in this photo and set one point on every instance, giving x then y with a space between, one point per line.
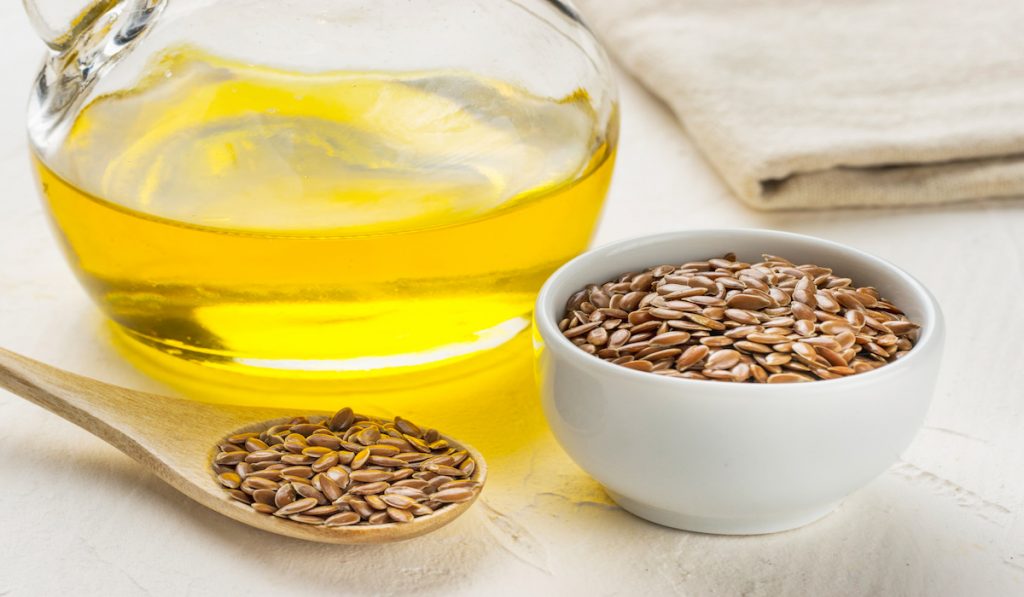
97 407
126 419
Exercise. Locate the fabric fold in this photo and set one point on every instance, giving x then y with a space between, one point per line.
803 104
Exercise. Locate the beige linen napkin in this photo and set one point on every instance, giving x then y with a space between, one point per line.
804 104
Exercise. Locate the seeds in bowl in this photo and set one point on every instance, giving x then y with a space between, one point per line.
345 470
727 320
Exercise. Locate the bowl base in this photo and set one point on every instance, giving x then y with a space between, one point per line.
722 526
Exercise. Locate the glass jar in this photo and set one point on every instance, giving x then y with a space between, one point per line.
322 187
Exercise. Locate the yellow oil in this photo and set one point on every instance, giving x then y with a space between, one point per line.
292 224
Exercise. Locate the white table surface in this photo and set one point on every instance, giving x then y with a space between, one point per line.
76 515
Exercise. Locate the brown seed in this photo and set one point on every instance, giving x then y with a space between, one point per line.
240 438
325 462
369 475
741 316
442 469
756 347
252 483
410 483
665 313
723 359
295 443
297 471
802 311
343 519
387 461
436 482
285 495
263 508
805 350
331 490
308 491
316 451
598 336
691 356
580 330
421 510
835 359
741 332
296 459
766 338
747 301
264 496
716 341
707 301
324 441
901 328
657 354
826 302
639 365
460 483
409 492
230 480
618 338
360 459
398 501
399 515
383 449
254 444
326 510
777 358
670 338
412 457
338 475
342 420
787 378
641 281
230 458
804 327
296 507
705 321
740 372
833 328
368 488
453 496
417 443
375 502
368 436
243 469
362 508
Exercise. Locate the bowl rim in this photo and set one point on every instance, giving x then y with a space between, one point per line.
931 332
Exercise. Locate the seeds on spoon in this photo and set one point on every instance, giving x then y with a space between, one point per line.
728 320
345 470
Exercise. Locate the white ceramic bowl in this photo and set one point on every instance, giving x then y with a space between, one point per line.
730 458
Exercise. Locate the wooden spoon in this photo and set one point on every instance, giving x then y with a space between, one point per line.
176 439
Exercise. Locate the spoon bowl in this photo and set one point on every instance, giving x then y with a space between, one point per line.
148 428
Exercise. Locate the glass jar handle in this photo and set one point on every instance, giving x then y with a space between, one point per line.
63 24
84 43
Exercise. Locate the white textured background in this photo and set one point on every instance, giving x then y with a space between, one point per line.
75 515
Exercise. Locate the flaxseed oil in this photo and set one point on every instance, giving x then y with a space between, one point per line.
283 223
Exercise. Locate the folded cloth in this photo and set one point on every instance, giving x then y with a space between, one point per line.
817 104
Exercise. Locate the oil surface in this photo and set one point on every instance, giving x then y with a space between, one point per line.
279 222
